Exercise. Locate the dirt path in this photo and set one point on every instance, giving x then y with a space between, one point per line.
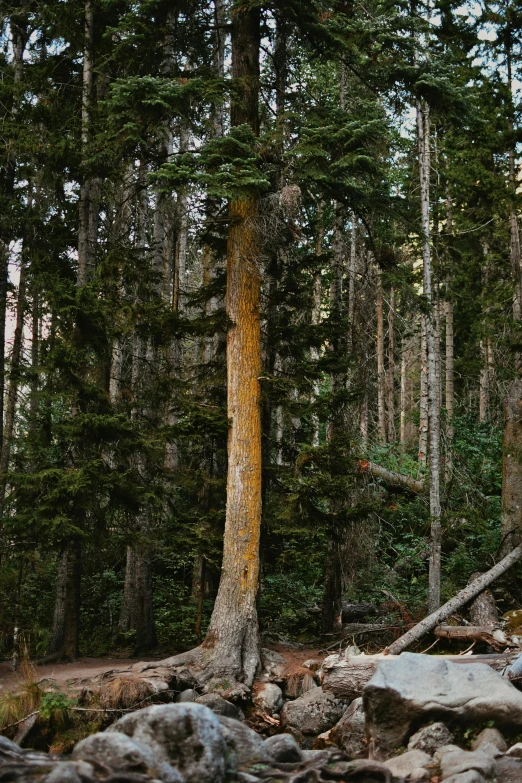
62 673
68 674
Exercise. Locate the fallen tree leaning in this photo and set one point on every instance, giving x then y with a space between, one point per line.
463 597
392 478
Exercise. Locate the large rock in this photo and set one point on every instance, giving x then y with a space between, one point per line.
314 712
245 749
268 697
350 733
115 750
413 689
187 736
274 666
431 738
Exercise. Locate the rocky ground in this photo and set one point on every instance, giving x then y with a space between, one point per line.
419 718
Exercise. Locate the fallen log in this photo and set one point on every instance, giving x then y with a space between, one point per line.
392 478
346 677
463 597
495 637
352 612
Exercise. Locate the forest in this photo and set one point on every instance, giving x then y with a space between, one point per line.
260 320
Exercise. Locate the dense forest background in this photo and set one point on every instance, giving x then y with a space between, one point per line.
387 130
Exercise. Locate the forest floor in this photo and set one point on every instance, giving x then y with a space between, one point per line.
71 674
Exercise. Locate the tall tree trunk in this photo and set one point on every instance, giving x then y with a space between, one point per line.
512 468
127 620
87 187
390 379
423 137
14 379
233 634
449 396
381 381
64 636
423 397
316 312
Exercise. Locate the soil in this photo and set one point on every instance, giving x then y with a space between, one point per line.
68 674
60 673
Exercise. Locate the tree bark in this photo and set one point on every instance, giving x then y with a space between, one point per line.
423 398
392 478
511 518
381 381
423 138
64 637
316 313
87 186
233 635
463 597
14 379
449 396
127 620
390 374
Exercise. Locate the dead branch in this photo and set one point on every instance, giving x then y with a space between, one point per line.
463 597
392 478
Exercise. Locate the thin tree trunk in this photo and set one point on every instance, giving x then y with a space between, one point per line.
85 246
423 399
423 136
316 313
233 635
381 381
450 363
390 380
14 380
511 518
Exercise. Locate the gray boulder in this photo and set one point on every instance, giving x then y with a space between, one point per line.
349 733
186 736
284 748
490 736
410 765
219 705
244 747
115 750
314 712
413 689
431 738
268 697
453 761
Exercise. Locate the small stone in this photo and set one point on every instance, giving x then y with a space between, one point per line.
458 760
188 695
492 736
431 738
408 763
312 664
314 712
515 751
268 697
219 705
284 748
